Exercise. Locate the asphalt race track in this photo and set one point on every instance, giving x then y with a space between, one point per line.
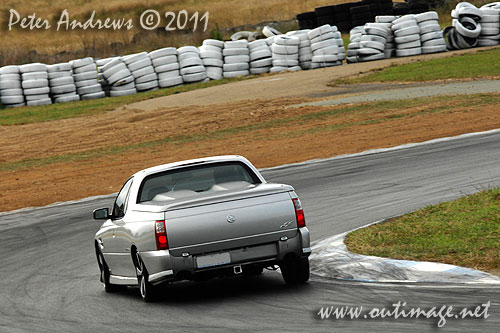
49 276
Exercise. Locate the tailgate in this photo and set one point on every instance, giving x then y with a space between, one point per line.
231 224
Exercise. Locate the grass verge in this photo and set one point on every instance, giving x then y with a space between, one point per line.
465 232
319 121
37 114
483 63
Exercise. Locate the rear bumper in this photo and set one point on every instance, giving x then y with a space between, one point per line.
162 266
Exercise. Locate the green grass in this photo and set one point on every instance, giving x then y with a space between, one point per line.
375 111
483 63
37 114
465 232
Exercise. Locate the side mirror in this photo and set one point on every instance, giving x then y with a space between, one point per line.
101 214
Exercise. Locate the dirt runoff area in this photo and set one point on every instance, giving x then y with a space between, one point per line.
76 158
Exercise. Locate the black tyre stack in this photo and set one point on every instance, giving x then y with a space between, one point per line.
325 15
361 14
400 8
418 6
307 20
343 16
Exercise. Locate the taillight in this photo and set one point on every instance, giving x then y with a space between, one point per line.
299 213
161 235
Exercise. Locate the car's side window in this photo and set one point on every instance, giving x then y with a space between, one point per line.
121 200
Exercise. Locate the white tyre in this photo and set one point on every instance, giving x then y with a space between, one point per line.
377 31
35 83
236 59
427 16
259 70
213 62
35 76
119 76
367 52
320 38
235 52
172 82
30 98
187 55
111 64
327 50
404 18
165 52
305 57
305 43
409 52
407 31
102 62
167 68
63 89
490 19
214 73
66 99
378 56
373 38
166 60
12 92
11 77
429 28
62 81
187 49
261 63
89 90
278 69
45 101
406 39
147 86
89 68
12 69
403 25
146 62
97 95
228 75
57 75
121 93
10 84
236 67
270 32
208 48
143 71
374 45
323 44
82 62
489 31
320 31
86 83
37 67
410 45
385 18
191 62
147 78
124 86
214 42
257 44
433 49
190 78
325 58
285 63
434 42
210 55
472 32
431 35
285 57
487 42
12 99
286 40
87 76
130 59
284 49
110 72
192 70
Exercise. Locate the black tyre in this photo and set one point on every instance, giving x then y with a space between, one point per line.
295 270
104 274
146 289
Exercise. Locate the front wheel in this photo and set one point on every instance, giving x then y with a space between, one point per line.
145 288
295 270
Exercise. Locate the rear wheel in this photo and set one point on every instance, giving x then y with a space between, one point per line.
104 277
146 289
295 270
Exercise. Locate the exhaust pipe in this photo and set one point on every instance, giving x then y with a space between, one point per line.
237 270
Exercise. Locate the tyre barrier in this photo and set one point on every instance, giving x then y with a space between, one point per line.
490 25
35 84
261 57
285 53
141 68
353 47
390 44
327 46
213 58
166 66
407 36
191 66
85 77
119 78
373 42
100 76
305 51
11 92
236 59
465 29
431 36
62 83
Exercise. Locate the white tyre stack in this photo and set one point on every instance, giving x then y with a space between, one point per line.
62 84
211 55
119 78
191 66
490 25
325 46
431 35
11 90
373 42
305 51
390 44
166 66
236 59
100 76
261 57
285 51
85 76
353 47
142 70
407 36
35 83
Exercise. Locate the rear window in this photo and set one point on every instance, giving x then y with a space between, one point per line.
196 180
